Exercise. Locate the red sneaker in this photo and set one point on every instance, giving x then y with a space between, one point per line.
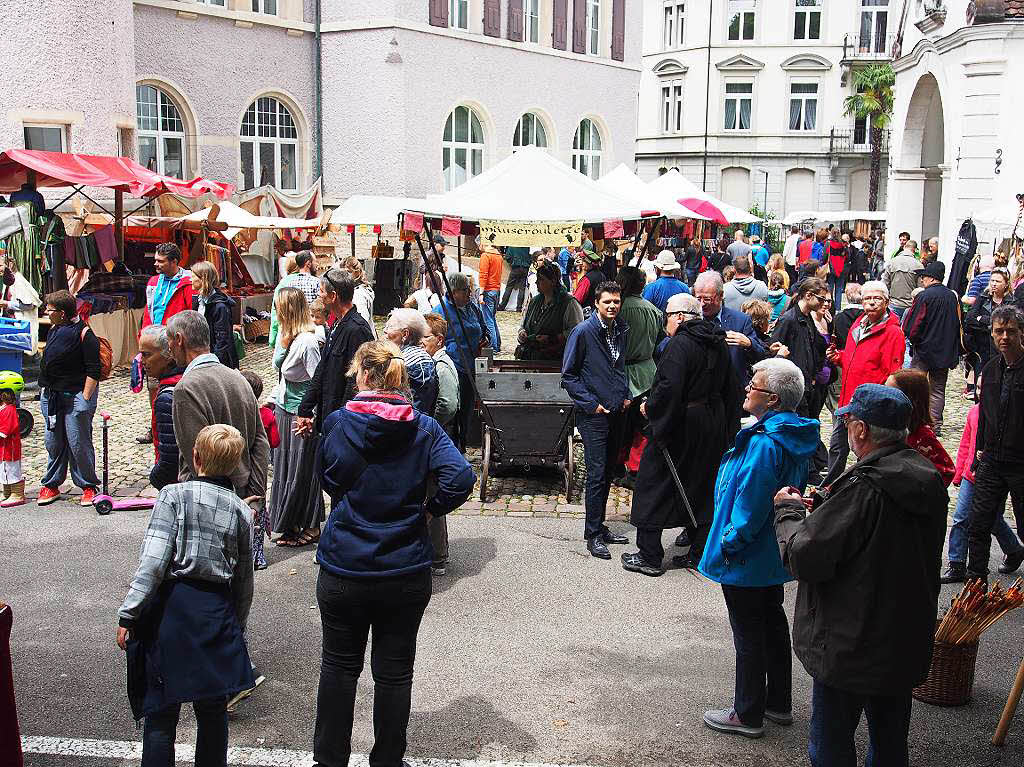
88 496
47 495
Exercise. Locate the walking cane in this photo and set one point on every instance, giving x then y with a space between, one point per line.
999 738
679 485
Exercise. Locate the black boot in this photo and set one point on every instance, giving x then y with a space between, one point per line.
955 572
1012 562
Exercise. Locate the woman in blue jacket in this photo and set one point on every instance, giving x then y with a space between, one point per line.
742 552
378 456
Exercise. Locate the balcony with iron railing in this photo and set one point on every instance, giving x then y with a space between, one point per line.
867 48
854 141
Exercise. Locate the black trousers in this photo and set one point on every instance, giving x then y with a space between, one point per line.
467 399
349 609
993 482
764 661
517 279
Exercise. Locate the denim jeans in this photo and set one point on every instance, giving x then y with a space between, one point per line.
764 659
691 275
837 286
600 434
490 298
1004 535
69 443
835 715
993 481
349 609
517 279
160 729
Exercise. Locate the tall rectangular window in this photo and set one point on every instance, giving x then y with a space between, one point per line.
807 20
219 3
593 27
672 107
675 25
46 138
531 21
268 7
738 102
740 14
874 26
458 14
803 106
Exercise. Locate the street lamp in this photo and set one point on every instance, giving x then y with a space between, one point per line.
765 172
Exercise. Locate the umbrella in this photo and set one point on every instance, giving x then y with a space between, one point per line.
707 209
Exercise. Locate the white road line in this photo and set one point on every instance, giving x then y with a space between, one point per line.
250 757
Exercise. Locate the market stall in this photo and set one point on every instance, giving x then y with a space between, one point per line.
680 188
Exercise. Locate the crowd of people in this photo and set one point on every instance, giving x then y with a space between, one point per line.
698 379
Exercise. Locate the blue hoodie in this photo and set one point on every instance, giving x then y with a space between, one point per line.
742 549
376 457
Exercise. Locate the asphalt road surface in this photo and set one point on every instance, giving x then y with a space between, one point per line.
531 651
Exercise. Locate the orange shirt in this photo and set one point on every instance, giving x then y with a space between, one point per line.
491 265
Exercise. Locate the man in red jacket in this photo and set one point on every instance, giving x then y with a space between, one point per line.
874 350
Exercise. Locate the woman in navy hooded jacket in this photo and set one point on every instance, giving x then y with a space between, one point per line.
376 458
742 552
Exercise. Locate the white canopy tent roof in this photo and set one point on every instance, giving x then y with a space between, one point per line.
998 219
800 216
676 186
13 220
624 182
531 185
238 219
371 210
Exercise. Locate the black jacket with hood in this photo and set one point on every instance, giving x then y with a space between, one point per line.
222 330
798 332
868 561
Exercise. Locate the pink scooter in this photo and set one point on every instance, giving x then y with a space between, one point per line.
106 503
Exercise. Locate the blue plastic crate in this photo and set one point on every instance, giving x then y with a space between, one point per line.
15 335
11 361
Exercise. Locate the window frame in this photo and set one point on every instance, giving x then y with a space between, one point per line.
260 7
673 31
531 21
586 156
742 11
739 97
873 8
214 3
803 98
538 129
160 135
451 146
817 8
458 10
62 129
278 141
592 23
671 106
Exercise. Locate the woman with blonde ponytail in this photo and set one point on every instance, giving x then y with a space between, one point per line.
377 455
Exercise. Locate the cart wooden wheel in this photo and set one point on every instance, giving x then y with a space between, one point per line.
570 468
485 462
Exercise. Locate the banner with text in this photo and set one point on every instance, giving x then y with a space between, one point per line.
531 233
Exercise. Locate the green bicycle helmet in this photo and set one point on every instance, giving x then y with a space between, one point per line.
11 380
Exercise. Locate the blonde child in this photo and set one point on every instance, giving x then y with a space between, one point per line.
319 314
10 441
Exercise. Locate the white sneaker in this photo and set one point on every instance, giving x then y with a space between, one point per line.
725 720
233 703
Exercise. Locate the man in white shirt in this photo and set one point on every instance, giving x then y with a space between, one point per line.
789 249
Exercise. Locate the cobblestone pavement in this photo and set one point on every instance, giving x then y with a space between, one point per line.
539 494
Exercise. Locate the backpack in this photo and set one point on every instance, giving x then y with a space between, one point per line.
106 354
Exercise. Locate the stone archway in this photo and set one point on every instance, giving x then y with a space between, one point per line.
923 151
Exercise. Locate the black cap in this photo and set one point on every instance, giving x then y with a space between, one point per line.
934 269
303 257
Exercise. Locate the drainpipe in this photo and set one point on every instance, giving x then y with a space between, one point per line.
707 93
319 88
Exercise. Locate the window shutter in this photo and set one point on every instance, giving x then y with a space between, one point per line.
579 26
618 29
515 20
492 18
559 12
438 13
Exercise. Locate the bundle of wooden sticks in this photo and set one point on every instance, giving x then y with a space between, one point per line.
974 610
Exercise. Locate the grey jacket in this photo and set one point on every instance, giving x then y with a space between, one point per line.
901 279
448 388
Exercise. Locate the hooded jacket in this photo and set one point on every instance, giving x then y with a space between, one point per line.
868 561
870 357
933 327
376 458
217 311
589 374
798 332
179 300
165 470
772 454
739 290
778 300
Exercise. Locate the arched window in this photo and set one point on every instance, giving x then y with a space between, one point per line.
269 141
586 149
161 132
462 150
529 132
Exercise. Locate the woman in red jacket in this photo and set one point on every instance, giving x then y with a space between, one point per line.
914 383
836 252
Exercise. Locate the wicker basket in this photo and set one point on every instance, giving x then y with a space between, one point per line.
950 679
256 329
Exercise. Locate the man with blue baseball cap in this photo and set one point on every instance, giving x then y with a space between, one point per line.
866 558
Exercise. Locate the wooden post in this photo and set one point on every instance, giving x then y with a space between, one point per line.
353 241
999 738
119 222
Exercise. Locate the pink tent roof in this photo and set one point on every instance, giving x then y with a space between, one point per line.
56 169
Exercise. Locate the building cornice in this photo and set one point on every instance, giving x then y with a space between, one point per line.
391 23
957 39
190 11
740 63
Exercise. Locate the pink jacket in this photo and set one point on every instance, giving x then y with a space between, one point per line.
968 447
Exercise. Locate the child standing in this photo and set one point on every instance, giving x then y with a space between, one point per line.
182 621
13 480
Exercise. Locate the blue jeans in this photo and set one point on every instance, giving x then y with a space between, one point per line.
490 298
69 442
835 715
838 286
958 533
691 275
211 734
600 434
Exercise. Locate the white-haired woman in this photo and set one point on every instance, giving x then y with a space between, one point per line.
742 553
406 328
296 503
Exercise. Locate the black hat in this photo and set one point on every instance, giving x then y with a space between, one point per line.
440 240
934 269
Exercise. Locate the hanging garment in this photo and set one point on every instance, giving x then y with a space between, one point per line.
106 244
966 247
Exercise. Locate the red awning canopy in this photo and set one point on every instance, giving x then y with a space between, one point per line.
56 169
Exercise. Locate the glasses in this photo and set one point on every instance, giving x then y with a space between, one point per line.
687 314
751 387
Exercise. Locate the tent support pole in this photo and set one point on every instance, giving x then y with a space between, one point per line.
119 222
74 191
352 240
636 241
466 359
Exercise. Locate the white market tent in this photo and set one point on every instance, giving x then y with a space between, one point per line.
13 220
531 185
626 183
801 216
238 219
998 219
675 185
371 210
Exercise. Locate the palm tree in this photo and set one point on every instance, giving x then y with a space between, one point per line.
872 100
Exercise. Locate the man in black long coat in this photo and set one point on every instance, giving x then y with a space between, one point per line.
692 392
